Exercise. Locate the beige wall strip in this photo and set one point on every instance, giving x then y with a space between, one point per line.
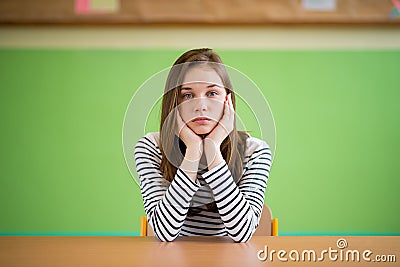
163 37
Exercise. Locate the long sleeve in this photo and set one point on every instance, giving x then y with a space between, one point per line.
166 203
240 206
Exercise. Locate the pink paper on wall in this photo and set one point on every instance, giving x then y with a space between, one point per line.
396 3
396 9
82 6
96 6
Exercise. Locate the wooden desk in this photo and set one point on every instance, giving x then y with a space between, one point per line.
193 251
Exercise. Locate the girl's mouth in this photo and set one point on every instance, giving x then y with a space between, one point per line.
201 120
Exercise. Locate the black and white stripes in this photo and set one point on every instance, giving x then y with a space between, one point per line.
167 203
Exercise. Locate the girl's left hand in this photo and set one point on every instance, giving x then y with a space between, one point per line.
225 125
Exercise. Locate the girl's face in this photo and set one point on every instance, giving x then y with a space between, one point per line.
201 99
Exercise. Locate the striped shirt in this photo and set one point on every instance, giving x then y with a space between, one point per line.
167 203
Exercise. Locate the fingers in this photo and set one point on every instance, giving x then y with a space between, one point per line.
178 117
226 106
182 130
228 109
227 119
230 102
231 113
225 124
179 122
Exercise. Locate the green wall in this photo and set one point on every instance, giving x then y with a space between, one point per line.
62 169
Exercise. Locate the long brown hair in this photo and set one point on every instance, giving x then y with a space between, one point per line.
232 148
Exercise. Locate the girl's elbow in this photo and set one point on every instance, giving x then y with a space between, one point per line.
236 240
165 238
240 238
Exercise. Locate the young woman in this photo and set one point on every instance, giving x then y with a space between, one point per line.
199 175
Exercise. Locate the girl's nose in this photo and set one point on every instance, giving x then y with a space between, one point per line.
201 104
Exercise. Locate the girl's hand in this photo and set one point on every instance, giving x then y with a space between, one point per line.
193 142
213 141
225 125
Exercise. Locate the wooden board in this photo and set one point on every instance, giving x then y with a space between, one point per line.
181 12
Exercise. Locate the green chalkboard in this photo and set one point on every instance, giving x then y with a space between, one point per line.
63 171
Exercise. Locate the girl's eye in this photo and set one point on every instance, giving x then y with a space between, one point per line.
187 96
212 93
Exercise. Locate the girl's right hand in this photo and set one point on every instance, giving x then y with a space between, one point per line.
193 142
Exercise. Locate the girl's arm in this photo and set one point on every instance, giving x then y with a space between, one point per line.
240 206
166 203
